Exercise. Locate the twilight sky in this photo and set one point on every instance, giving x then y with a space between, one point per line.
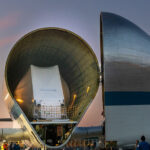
80 16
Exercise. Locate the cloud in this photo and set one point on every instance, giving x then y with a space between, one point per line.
7 40
8 21
93 116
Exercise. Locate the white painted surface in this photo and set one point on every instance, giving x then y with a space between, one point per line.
127 123
47 86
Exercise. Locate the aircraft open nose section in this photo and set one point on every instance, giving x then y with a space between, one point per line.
51 75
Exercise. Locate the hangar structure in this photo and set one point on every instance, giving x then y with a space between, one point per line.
51 77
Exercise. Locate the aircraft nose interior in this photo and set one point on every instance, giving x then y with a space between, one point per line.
78 72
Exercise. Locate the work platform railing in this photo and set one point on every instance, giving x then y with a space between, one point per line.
56 112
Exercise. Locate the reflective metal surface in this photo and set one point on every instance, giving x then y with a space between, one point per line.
126 79
45 48
11 134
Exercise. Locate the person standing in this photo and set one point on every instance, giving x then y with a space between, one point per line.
143 145
16 146
5 146
11 146
137 145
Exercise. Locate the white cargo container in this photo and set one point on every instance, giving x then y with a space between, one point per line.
42 88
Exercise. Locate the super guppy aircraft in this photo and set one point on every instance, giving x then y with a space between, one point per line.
125 65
